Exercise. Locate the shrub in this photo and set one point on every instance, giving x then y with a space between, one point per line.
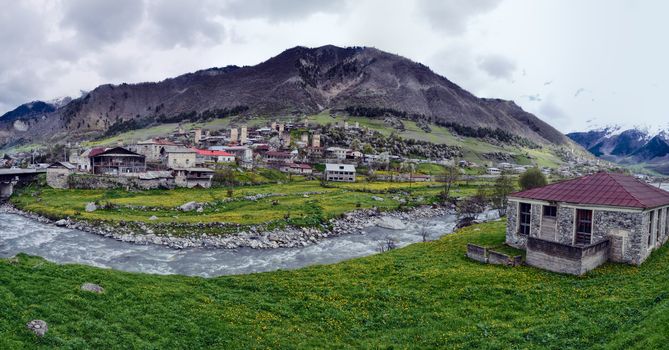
532 178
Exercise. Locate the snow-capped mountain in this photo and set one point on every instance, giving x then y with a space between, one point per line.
627 146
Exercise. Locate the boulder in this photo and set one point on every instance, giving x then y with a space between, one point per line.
92 287
61 223
38 327
390 223
91 207
153 217
376 198
189 206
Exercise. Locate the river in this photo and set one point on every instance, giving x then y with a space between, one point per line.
19 234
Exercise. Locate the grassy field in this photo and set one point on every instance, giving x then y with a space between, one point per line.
427 295
306 202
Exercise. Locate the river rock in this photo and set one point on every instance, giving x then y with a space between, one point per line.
189 206
92 287
390 223
61 223
38 327
91 207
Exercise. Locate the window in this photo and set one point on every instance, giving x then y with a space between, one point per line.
666 221
651 221
550 211
583 226
525 218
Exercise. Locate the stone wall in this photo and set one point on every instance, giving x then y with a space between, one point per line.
87 181
627 232
565 258
512 237
565 225
57 177
497 258
477 253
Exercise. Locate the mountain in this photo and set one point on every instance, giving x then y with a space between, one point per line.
355 80
28 110
629 147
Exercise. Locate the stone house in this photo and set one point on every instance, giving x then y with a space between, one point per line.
57 174
575 225
193 177
181 157
340 172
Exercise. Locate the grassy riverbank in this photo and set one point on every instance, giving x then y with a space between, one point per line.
424 295
298 202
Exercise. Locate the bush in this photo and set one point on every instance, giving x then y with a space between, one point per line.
532 178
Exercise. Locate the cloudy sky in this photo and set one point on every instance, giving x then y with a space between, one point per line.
574 63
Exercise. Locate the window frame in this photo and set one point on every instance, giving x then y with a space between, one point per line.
524 226
552 208
583 226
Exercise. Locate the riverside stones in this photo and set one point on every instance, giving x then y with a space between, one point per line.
92 287
38 327
91 207
189 206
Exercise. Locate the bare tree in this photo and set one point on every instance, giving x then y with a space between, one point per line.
387 245
423 233
451 175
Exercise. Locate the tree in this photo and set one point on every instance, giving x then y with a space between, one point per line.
451 175
500 191
532 178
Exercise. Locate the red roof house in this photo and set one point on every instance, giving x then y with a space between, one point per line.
574 226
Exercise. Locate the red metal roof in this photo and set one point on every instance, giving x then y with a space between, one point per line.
606 189
206 152
95 151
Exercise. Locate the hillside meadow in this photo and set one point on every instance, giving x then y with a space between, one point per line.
426 295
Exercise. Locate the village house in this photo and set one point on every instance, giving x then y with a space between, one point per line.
57 174
117 160
575 225
278 157
209 156
181 157
336 152
340 172
295 168
154 149
193 177
493 171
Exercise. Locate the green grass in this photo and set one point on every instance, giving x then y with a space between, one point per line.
427 295
307 203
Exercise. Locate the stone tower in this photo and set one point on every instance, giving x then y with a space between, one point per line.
244 135
233 135
316 141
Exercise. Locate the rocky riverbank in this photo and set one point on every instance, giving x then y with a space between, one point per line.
259 237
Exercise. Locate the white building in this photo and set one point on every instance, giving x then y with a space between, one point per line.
340 172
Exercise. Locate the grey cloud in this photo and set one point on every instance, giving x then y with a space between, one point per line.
184 23
100 22
452 16
533 98
497 66
286 10
550 110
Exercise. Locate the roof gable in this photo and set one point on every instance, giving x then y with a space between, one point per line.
606 189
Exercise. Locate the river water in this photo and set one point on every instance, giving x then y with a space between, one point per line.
61 245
